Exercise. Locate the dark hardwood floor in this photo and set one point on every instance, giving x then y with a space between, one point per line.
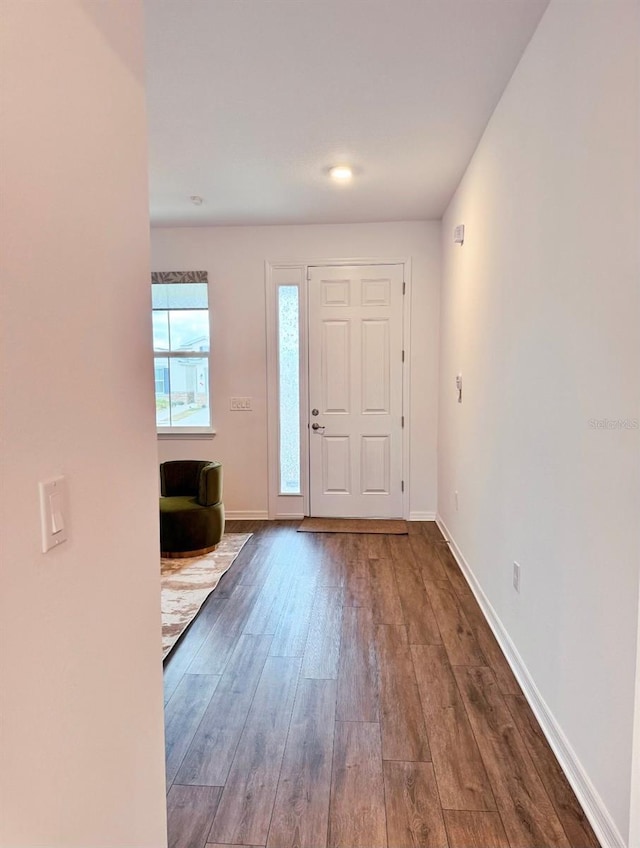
342 690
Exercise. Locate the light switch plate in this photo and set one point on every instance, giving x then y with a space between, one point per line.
240 404
53 509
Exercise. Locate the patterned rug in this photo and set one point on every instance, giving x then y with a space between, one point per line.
187 583
354 525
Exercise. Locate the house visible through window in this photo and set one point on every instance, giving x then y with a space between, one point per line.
181 351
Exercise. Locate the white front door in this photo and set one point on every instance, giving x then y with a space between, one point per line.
355 391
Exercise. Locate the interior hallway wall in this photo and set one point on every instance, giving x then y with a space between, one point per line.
81 727
234 258
540 313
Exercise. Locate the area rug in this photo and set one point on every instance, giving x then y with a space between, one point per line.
353 525
187 583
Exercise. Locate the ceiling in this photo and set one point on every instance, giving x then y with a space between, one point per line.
251 101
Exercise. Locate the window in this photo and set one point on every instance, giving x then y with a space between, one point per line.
181 351
289 389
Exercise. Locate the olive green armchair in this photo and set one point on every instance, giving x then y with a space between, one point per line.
191 509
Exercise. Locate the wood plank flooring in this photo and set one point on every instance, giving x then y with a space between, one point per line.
345 691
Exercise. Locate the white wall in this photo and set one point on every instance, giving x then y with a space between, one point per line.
540 312
81 738
634 818
234 258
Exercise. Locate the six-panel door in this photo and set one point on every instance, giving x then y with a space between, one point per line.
355 384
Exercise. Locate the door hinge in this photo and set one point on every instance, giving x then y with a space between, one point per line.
308 273
402 420
404 288
402 486
403 356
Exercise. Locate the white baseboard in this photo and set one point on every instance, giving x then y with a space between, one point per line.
592 804
260 515
288 516
246 515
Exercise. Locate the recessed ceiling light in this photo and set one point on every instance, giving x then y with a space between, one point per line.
340 173
196 200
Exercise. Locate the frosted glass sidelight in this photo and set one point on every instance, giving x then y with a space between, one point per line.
289 389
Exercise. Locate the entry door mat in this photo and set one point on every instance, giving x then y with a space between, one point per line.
354 525
186 584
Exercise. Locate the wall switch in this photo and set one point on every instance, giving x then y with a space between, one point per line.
53 508
516 576
240 404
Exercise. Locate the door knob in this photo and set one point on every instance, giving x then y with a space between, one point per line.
315 412
316 426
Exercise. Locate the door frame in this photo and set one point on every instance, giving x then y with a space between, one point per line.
296 272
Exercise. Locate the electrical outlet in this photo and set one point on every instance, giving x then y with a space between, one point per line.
516 576
456 500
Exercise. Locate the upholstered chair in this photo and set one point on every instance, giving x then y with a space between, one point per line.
191 509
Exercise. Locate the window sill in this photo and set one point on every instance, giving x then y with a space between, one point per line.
187 433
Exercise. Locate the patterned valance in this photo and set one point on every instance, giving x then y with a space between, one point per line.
179 277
